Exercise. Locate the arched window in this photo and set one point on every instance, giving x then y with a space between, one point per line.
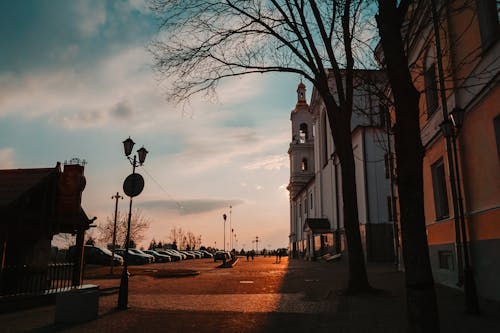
303 165
303 133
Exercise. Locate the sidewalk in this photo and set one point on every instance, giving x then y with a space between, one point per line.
294 296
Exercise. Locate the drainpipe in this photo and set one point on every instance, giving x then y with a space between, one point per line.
337 207
471 301
449 148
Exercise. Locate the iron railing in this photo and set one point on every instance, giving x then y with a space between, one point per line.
29 280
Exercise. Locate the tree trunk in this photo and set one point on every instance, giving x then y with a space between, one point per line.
340 125
421 296
358 279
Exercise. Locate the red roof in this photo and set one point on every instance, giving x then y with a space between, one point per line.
16 182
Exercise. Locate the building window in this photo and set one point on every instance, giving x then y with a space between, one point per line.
300 210
303 133
446 260
311 200
440 191
487 14
431 95
303 165
324 139
496 124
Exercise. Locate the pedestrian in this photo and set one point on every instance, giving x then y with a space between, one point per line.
279 255
248 255
276 252
252 254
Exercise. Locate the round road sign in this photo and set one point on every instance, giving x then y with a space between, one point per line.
133 185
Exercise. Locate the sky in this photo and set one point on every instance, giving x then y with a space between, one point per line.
76 80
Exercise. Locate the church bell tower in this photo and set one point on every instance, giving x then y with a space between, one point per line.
301 150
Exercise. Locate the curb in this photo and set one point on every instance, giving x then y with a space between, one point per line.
229 264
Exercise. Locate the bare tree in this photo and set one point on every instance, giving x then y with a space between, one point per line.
176 236
64 240
139 224
208 41
421 297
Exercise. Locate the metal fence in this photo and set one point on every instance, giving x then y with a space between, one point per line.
28 280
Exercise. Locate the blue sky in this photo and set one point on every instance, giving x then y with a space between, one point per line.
76 80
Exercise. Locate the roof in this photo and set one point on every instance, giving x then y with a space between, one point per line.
16 182
317 225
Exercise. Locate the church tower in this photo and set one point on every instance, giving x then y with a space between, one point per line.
301 151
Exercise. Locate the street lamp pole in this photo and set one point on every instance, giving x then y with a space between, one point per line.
230 227
133 186
116 197
224 216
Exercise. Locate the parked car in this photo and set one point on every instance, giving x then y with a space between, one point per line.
135 258
151 257
159 257
184 256
206 254
222 255
96 255
188 255
196 254
173 255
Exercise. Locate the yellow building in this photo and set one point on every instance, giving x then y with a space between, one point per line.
470 52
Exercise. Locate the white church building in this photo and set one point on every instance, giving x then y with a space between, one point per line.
316 218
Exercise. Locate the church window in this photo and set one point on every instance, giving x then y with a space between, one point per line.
303 165
303 133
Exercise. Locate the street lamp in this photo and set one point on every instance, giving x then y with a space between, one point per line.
450 128
132 186
224 216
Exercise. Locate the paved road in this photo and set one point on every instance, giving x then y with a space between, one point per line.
258 296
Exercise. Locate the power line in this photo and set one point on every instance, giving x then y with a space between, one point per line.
162 188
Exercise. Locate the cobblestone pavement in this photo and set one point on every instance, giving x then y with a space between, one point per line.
257 296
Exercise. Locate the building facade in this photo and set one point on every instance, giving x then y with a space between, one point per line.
467 200
316 216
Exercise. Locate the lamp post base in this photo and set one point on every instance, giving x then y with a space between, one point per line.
123 292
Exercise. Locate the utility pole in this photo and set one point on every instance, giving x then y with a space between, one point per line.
116 197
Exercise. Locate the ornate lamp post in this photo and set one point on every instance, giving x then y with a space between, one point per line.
132 186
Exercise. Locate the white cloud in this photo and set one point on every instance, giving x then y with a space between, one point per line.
268 163
92 15
7 158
